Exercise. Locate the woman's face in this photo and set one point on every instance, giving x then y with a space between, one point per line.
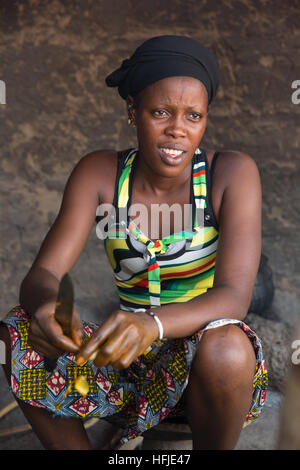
170 117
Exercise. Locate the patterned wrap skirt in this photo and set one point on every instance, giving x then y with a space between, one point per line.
136 398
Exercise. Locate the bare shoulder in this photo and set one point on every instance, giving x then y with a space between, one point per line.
234 161
237 161
100 168
234 173
98 160
234 167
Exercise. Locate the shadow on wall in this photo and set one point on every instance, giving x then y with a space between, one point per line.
263 292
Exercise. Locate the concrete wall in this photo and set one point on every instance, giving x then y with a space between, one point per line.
54 56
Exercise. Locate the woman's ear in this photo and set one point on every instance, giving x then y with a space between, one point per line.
131 111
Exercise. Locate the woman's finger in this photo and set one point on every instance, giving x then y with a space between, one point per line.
35 332
115 347
99 337
77 329
43 347
54 333
125 359
39 326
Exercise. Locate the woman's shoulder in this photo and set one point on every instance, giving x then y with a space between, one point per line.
231 165
105 158
233 171
231 158
100 168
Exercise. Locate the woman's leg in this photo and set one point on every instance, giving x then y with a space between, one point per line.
220 389
56 433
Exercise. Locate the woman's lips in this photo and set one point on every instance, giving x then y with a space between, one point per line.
171 156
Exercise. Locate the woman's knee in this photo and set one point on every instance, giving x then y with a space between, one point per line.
227 349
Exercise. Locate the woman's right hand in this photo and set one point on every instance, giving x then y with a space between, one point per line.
46 334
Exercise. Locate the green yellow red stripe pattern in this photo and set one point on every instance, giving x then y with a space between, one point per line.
152 277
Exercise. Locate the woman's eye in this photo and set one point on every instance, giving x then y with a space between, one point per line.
159 113
196 116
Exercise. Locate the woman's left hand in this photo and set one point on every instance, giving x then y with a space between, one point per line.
122 338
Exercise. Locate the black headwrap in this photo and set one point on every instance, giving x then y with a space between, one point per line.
162 57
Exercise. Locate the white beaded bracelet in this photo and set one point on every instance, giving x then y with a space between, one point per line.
159 324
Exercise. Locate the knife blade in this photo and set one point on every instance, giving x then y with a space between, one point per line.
63 313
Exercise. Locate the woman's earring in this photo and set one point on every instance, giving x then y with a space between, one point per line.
130 120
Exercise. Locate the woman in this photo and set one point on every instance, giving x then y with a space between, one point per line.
178 337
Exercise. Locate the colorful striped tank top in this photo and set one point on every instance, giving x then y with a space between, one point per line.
174 269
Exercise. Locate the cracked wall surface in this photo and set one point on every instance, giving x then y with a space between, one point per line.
54 56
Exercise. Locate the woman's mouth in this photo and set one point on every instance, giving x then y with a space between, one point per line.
172 152
171 156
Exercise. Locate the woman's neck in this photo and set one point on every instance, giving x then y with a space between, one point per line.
148 180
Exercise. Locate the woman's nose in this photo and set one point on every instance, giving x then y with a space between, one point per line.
176 128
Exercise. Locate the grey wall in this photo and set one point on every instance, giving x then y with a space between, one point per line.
54 56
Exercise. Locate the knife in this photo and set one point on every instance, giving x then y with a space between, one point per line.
63 313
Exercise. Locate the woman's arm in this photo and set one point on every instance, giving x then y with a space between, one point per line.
61 248
238 254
